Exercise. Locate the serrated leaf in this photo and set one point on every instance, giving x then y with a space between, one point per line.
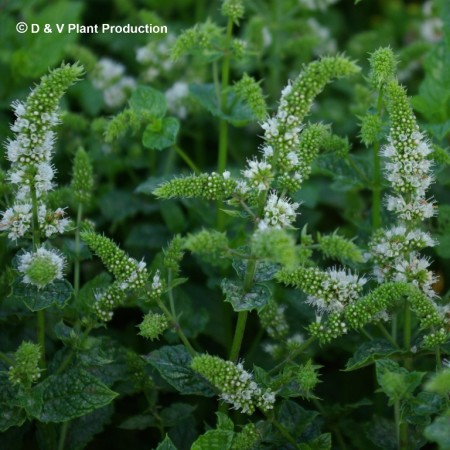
176 413
382 433
224 422
256 298
11 415
395 381
145 99
163 136
323 442
71 395
439 431
265 270
166 444
55 294
173 364
295 418
369 352
418 410
214 440
235 110
82 430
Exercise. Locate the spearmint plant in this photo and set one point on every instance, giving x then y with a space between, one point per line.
278 281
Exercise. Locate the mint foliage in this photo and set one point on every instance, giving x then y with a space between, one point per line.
71 395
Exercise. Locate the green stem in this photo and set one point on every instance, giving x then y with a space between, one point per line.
407 334
284 432
35 218
36 243
223 126
177 327
76 280
397 421
387 335
71 354
187 160
438 358
41 335
62 435
376 193
6 359
242 315
366 334
294 354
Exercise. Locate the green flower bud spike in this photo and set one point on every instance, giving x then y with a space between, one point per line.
25 370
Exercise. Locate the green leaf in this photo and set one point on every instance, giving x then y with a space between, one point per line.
176 413
235 110
433 100
139 422
71 395
323 442
82 430
440 383
256 298
419 410
148 100
439 431
382 433
295 418
265 270
56 293
395 381
11 415
369 352
214 440
162 137
224 422
166 444
173 364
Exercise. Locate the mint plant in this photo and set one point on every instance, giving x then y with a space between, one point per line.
278 281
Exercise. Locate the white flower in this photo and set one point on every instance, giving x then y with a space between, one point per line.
41 267
17 220
176 97
258 174
279 212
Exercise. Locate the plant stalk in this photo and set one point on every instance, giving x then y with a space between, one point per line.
242 315
376 192
76 280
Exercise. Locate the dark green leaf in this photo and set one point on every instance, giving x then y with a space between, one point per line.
439 431
71 395
82 430
256 298
265 270
164 136
176 413
54 294
295 418
139 422
382 433
369 352
148 100
418 410
10 414
173 364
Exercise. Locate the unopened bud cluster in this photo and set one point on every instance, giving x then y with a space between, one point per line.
25 370
153 325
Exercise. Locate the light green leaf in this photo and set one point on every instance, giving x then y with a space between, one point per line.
162 136
235 110
71 395
214 440
173 364
395 381
439 431
369 352
256 298
166 444
419 410
148 100
224 422
54 294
